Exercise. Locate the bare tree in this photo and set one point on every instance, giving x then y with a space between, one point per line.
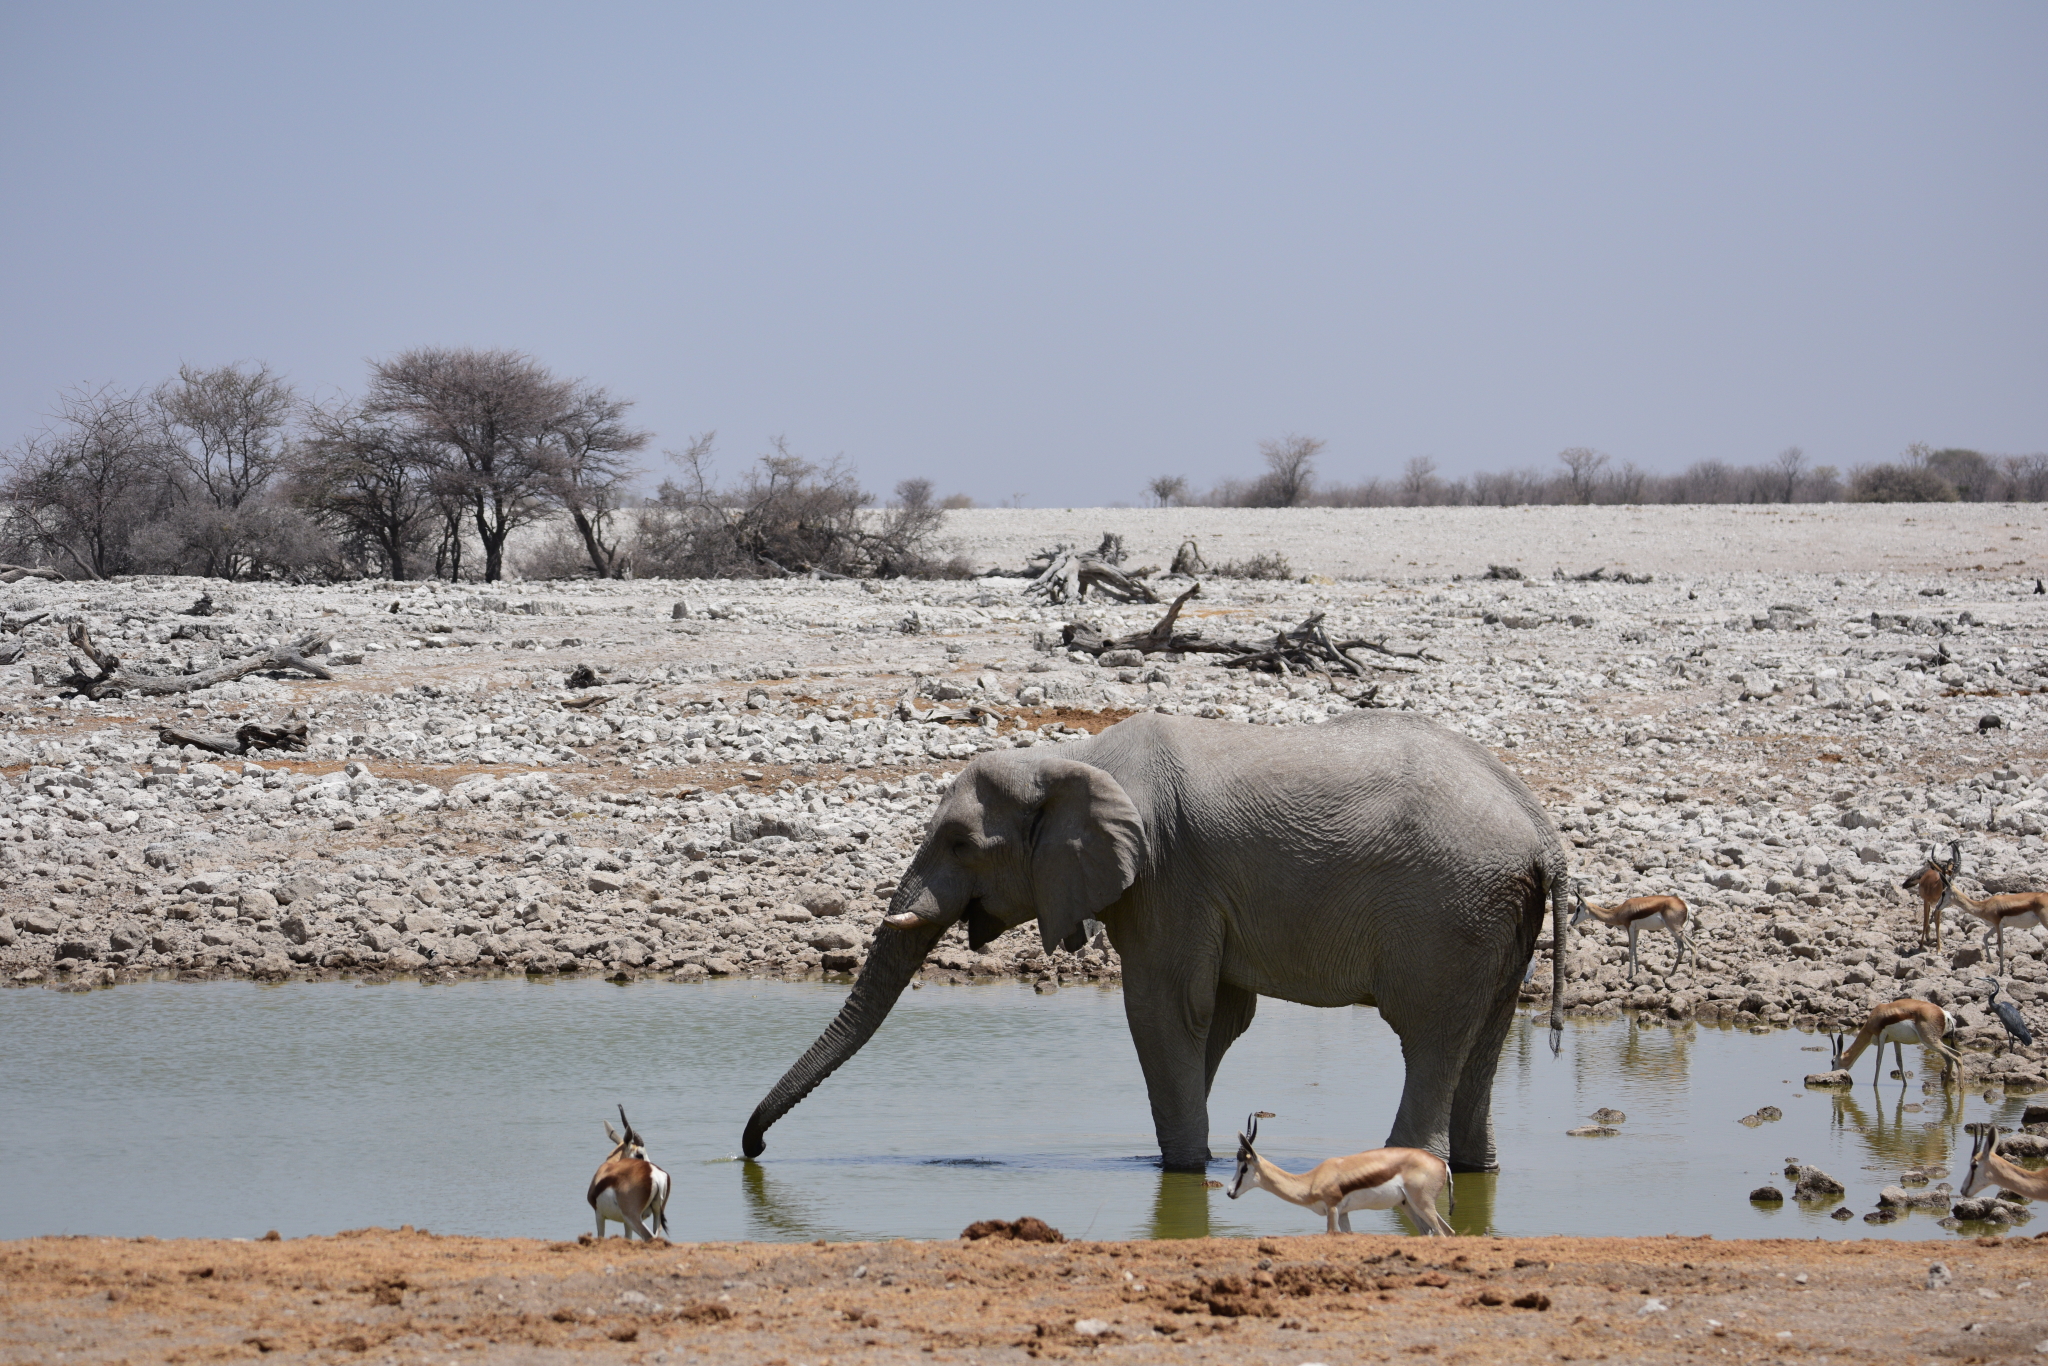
1290 470
1419 483
494 414
82 490
1168 489
224 438
372 481
1583 468
1786 471
591 474
225 430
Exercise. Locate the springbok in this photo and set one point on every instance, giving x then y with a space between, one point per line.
628 1189
1988 1169
1631 915
1380 1179
1894 1023
1928 884
2021 910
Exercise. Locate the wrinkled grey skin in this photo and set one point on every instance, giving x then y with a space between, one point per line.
1378 859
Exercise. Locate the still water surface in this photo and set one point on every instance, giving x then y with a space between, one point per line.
225 1109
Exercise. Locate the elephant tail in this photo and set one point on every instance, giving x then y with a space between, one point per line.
1560 897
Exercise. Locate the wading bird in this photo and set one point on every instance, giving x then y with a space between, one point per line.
1988 1169
1631 915
2008 1015
2021 910
628 1189
1894 1023
1380 1179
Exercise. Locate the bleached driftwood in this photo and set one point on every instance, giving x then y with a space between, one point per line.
100 674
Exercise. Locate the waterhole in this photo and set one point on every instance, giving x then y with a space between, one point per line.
225 1109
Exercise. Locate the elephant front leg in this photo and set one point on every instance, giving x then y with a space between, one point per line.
1170 1025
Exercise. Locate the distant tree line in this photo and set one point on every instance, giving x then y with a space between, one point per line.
1584 476
446 454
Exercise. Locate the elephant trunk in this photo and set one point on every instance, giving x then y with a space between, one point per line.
897 954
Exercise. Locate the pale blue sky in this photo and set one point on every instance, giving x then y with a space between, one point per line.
1055 250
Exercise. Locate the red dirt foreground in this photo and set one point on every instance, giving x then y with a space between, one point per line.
379 1296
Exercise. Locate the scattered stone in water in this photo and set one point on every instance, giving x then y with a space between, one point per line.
1605 1115
1839 1077
1843 1213
1884 1215
1768 1113
1815 1184
1749 1121
1767 1195
1593 1131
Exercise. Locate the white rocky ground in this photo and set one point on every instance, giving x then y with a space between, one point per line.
1780 746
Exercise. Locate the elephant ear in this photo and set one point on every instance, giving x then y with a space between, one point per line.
1086 849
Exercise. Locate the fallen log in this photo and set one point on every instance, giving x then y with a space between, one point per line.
15 573
103 677
290 735
1600 575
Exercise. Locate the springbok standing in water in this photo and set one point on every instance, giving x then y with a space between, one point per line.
1894 1023
628 1189
1631 915
1380 1179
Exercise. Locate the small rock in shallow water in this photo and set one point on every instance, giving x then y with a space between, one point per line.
1836 1078
1604 1115
1815 1184
1843 1213
1769 1112
1767 1195
1749 1121
1592 1131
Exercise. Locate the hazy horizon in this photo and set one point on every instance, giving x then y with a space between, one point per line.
1058 252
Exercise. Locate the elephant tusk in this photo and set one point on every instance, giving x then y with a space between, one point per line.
903 920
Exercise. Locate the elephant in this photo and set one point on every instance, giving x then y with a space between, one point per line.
1375 859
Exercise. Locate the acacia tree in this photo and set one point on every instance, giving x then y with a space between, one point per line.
494 415
591 473
370 480
83 490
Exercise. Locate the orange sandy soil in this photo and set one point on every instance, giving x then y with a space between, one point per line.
380 1296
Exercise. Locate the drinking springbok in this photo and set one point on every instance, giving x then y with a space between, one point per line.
1988 1169
1631 915
1894 1023
1380 1179
2021 910
628 1189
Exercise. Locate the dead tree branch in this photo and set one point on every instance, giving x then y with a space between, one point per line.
1068 575
102 677
290 735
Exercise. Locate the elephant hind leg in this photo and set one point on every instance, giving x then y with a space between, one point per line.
1232 1016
